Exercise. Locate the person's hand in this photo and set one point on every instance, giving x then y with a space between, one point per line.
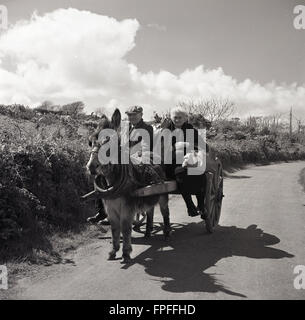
192 160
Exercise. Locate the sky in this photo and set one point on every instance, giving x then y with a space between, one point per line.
154 53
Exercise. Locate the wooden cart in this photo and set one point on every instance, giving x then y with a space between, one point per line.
213 195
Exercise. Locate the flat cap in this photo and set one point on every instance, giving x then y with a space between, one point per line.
134 110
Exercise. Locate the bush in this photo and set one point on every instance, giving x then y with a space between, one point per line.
239 135
234 153
17 111
41 185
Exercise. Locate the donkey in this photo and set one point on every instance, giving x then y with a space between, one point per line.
122 209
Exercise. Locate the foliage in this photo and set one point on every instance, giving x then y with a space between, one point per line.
42 178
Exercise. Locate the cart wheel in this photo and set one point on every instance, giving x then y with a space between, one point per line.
139 219
213 199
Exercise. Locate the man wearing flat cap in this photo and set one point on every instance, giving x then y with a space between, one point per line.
136 141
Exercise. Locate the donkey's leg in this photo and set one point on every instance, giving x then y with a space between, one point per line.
114 220
115 241
149 222
126 227
163 202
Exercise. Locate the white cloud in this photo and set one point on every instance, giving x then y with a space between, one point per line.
69 55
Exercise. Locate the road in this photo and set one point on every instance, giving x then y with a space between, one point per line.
252 254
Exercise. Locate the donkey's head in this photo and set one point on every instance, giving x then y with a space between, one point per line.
97 139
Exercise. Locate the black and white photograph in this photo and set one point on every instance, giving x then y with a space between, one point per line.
152 151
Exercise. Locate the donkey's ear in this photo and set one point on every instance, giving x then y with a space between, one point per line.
116 119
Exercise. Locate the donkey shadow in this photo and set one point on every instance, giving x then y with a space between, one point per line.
190 251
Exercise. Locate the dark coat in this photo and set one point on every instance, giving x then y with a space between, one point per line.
187 184
142 125
171 148
186 126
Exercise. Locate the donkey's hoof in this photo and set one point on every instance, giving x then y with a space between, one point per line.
112 255
126 258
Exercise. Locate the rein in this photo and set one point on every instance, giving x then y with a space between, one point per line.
126 183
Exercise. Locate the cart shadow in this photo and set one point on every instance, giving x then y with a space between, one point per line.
183 259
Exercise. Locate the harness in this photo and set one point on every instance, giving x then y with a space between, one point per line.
130 177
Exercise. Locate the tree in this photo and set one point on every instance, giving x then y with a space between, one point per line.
73 109
214 109
47 105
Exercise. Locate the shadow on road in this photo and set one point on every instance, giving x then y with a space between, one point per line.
238 177
190 251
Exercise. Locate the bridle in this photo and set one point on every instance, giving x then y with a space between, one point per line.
95 149
100 182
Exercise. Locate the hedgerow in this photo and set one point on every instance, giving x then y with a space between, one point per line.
41 185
